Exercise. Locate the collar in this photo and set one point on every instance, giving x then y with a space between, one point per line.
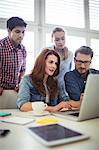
81 76
11 45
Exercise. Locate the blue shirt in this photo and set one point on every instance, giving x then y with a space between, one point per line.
29 93
75 83
65 66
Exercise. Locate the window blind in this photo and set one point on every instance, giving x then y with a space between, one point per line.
21 8
94 14
65 12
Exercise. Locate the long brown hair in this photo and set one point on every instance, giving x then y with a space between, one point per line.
38 72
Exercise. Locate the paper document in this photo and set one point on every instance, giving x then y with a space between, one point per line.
46 120
17 120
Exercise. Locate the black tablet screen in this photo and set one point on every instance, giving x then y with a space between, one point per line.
54 132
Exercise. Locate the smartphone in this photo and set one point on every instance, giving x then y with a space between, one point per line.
3 114
4 132
55 134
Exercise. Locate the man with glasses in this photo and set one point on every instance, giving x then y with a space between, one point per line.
75 80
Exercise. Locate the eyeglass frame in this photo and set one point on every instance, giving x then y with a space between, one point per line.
86 63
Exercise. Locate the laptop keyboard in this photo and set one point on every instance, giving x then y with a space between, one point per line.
75 114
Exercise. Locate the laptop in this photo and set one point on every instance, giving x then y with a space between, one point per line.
90 104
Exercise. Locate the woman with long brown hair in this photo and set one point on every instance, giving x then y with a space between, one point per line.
41 84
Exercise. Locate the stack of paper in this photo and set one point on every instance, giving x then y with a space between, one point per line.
17 120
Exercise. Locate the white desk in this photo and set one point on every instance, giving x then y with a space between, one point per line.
20 139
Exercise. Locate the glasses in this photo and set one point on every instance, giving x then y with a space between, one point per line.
80 62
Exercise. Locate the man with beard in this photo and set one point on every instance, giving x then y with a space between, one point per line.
75 80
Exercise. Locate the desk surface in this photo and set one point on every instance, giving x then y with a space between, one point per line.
20 139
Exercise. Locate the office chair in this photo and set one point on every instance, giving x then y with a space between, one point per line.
8 99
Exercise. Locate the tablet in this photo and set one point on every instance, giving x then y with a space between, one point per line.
55 134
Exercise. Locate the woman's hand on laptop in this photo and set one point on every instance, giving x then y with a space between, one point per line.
63 104
59 106
74 104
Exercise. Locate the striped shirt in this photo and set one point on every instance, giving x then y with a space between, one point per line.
12 62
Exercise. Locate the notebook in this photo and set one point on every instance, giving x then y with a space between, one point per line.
90 104
17 120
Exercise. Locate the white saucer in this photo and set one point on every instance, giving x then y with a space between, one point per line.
41 114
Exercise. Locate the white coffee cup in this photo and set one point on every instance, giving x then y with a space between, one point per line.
38 107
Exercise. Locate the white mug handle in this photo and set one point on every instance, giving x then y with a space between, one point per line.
45 106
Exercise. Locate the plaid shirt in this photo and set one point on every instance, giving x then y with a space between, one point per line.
12 62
